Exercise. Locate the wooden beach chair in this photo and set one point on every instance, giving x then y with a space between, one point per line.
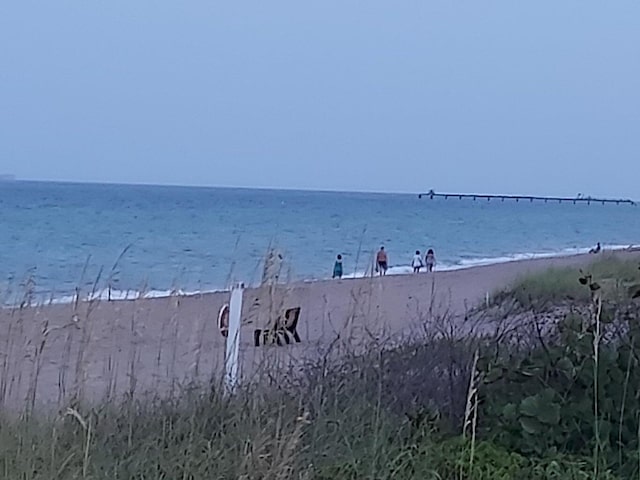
284 326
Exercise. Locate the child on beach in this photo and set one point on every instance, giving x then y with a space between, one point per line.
430 260
416 263
381 260
337 267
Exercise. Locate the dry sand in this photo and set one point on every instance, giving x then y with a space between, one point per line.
106 349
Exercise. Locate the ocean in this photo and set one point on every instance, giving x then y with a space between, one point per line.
56 238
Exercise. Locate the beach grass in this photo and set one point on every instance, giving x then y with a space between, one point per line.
341 426
352 421
557 286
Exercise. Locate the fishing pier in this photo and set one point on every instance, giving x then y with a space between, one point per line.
524 198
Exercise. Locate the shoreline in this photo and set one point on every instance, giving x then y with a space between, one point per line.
394 271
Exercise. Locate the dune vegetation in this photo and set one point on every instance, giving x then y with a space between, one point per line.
542 383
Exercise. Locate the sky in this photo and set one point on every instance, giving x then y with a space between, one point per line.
457 96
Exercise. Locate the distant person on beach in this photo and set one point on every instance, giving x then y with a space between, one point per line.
417 263
382 262
430 260
337 267
596 249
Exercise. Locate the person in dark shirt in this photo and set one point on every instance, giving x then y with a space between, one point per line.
337 267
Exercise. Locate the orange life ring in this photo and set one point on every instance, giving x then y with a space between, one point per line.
223 320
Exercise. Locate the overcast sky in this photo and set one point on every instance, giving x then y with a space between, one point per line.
473 96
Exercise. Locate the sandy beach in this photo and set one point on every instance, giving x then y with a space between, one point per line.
102 350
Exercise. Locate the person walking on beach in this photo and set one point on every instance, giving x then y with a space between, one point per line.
337 267
430 260
382 262
416 263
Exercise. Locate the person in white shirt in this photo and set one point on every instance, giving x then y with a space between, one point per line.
416 263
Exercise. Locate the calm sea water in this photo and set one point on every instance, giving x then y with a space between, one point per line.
62 235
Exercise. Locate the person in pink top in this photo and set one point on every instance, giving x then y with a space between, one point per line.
430 260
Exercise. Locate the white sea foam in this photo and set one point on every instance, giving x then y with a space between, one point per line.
476 262
119 295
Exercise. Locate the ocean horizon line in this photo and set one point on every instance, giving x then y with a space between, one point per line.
424 192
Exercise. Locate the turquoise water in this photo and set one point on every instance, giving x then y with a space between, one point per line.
61 235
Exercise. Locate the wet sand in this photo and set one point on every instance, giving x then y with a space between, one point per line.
102 350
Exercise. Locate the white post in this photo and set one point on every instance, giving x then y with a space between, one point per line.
233 339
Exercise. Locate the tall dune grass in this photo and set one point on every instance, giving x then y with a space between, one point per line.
558 285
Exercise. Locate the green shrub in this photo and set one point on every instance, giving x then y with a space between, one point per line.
542 401
563 467
454 460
